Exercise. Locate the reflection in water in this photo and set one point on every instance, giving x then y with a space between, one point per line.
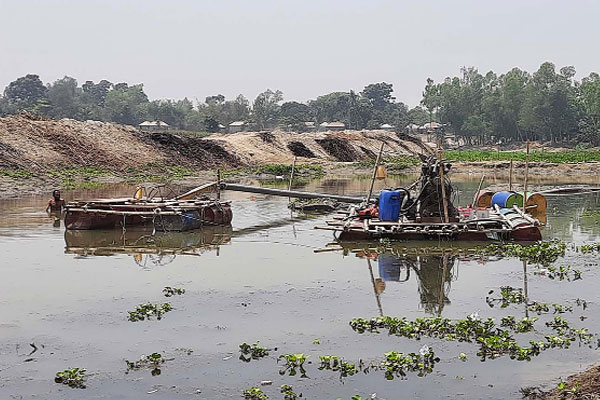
434 268
146 247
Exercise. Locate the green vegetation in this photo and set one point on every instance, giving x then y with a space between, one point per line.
288 393
16 173
74 377
595 213
334 363
169 291
562 273
293 362
398 364
544 253
254 393
493 341
252 352
508 295
153 361
148 311
590 248
565 156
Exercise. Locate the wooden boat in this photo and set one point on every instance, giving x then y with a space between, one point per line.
497 226
181 213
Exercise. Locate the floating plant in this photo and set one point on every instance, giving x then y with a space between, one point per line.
288 393
293 362
153 361
252 352
149 310
169 291
73 377
254 393
334 363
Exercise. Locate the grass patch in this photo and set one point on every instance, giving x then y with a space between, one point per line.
559 157
16 173
83 172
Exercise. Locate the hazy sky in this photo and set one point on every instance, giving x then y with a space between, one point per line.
304 48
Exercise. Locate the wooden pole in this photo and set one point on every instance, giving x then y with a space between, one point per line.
443 183
218 184
375 172
510 175
526 177
478 191
292 176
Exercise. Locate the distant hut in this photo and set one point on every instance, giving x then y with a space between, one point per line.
386 127
412 128
153 126
237 126
309 126
332 126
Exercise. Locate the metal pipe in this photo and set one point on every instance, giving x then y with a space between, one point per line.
289 193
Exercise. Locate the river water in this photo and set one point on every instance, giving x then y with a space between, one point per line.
68 294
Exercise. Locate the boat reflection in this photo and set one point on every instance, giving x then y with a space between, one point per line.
161 246
434 268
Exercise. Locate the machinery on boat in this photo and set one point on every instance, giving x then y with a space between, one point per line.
424 210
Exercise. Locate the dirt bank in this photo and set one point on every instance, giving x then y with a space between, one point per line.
33 149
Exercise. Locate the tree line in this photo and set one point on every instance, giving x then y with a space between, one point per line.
128 104
478 109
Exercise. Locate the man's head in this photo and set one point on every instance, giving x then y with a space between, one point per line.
56 194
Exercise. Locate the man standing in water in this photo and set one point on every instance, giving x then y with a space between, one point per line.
55 204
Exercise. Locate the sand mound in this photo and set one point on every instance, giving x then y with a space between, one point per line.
257 148
37 144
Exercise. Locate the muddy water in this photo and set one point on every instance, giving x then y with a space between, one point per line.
68 293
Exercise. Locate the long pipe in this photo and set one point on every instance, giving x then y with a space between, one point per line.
289 193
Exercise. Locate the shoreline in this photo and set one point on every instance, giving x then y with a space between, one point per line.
36 184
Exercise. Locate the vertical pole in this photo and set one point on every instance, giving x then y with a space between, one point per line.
525 291
377 299
510 175
443 182
526 178
218 184
375 172
478 191
292 176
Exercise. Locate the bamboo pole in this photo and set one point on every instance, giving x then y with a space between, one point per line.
218 184
375 172
478 191
526 178
510 175
292 177
443 183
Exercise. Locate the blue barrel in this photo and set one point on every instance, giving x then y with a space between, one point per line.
389 205
506 199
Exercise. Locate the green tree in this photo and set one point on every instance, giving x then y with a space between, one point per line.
25 93
64 96
127 104
265 109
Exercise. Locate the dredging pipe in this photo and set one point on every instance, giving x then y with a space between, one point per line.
289 193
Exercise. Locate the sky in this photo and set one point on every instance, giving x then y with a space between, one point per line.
305 48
